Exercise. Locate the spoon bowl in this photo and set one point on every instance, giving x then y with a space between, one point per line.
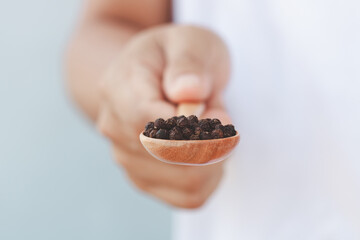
190 152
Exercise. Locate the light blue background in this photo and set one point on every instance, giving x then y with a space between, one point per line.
57 178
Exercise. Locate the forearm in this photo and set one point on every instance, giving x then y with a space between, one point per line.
92 48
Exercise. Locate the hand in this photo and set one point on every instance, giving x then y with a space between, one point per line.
157 69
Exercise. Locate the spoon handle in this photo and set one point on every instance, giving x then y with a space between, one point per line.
188 109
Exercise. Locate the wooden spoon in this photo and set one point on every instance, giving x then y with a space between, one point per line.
190 152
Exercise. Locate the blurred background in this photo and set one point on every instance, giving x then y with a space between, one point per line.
57 177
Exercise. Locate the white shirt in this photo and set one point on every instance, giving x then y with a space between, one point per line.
294 97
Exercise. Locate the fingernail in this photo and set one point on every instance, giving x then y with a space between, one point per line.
184 82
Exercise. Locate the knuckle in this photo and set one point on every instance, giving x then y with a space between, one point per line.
104 127
140 184
194 200
125 163
105 85
107 128
143 186
105 122
194 181
103 89
122 159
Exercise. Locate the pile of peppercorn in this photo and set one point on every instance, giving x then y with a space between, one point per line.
188 128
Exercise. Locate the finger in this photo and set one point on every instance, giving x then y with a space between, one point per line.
133 94
169 195
216 109
181 198
155 172
140 96
197 65
218 113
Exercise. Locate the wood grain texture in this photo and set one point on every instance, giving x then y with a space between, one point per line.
190 151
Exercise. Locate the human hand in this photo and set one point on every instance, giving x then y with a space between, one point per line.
156 70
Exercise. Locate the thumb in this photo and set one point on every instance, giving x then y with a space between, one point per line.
197 64
186 80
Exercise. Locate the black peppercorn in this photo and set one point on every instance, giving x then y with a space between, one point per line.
205 136
187 132
214 122
188 128
194 137
149 125
177 129
162 134
217 133
205 125
175 135
152 133
170 123
182 122
193 120
221 127
159 123
197 130
229 130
